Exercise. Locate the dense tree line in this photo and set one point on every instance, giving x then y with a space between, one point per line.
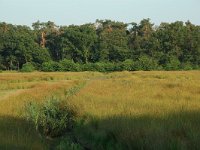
103 46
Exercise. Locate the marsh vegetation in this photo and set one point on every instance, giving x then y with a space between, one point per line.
120 110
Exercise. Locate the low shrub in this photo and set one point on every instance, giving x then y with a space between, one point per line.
110 66
146 63
89 67
27 67
186 66
173 64
50 66
51 119
143 63
2 67
69 65
128 65
93 67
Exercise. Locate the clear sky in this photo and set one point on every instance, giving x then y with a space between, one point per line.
65 12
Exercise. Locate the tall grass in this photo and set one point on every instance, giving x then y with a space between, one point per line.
121 110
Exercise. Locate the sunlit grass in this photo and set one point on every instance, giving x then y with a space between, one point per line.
18 88
137 104
141 93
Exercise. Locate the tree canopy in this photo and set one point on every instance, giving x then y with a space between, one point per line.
143 46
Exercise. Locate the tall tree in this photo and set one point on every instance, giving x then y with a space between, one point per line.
113 41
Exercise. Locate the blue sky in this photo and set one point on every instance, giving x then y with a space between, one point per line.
65 12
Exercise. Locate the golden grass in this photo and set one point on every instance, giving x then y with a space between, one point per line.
16 89
156 94
134 93
140 93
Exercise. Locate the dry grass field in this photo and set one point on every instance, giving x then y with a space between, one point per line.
137 110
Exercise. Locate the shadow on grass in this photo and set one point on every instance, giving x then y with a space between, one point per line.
176 131
18 134
179 131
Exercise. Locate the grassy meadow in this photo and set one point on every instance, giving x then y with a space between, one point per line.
120 110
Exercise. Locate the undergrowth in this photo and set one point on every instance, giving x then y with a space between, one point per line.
52 118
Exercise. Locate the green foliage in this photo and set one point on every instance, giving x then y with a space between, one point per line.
111 67
128 65
51 119
93 67
66 143
52 48
68 65
146 63
100 67
113 41
173 64
41 55
50 66
75 43
186 66
64 65
27 67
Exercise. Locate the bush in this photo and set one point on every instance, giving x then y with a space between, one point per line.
128 65
145 63
173 64
110 67
93 67
101 67
51 119
2 67
64 65
89 67
186 66
68 65
50 66
196 67
27 67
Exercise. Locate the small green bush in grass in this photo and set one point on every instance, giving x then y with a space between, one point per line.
128 65
173 64
109 67
146 63
186 66
50 66
27 67
52 119
69 65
